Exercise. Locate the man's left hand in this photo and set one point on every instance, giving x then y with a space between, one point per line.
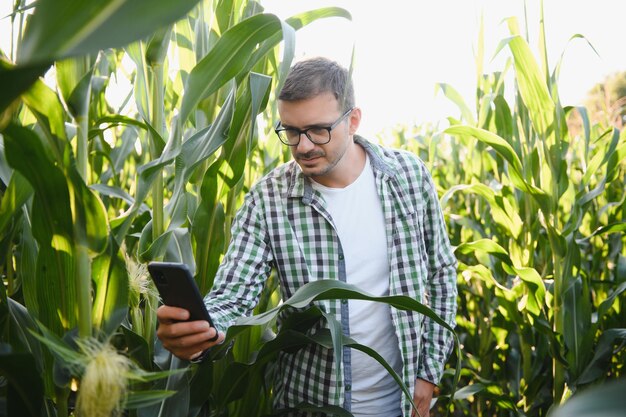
422 395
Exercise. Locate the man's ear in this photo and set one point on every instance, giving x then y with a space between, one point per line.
355 120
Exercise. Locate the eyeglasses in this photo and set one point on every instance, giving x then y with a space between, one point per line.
319 135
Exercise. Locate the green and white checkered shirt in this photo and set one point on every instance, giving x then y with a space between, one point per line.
283 224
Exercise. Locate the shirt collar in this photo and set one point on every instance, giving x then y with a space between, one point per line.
300 186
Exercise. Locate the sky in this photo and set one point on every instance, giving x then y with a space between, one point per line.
403 48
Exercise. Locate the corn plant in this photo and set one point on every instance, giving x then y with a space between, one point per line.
536 214
92 192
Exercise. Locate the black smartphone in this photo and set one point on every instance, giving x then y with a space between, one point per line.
178 289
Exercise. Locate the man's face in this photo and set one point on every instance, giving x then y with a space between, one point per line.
321 162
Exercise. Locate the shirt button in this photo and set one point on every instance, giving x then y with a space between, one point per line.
348 387
341 256
344 301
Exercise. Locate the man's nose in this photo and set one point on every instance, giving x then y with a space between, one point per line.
305 144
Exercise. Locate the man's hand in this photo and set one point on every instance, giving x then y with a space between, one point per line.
422 395
186 340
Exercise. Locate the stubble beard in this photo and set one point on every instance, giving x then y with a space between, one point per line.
319 171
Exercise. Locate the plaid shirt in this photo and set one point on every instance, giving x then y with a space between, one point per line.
283 224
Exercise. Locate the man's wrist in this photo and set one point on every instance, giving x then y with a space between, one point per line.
434 386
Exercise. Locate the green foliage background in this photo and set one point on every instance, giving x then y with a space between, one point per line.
90 193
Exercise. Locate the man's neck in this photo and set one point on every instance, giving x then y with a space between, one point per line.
349 168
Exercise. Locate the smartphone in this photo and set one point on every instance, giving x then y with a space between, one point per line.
178 289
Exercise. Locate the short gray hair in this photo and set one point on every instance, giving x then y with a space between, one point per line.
315 76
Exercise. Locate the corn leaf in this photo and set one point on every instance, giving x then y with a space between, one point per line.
604 400
532 87
74 79
596 368
15 196
110 302
508 153
91 26
227 59
453 95
15 80
25 387
141 399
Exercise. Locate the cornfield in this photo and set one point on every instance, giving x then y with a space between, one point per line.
92 188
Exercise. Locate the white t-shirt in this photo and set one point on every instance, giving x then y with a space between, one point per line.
357 213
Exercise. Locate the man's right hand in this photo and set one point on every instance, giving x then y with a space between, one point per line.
185 339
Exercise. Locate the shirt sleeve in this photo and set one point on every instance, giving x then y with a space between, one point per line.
246 265
441 287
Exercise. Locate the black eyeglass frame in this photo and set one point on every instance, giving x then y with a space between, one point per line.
278 129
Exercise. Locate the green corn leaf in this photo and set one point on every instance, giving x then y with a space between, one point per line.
180 247
493 140
501 209
232 387
287 36
45 104
15 196
26 264
332 289
201 386
157 46
486 275
90 27
110 279
535 300
608 229
25 390
60 227
237 148
453 95
17 329
89 215
56 286
508 153
153 249
116 120
557 68
195 150
208 227
597 367
469 390
16 80
351 343
605 400
609 301
226 60
601 158
503 119
74 80
336 332
532 87
174 245
136 51
302 19
177 381
576 310
140 399
113 192
146 175
487 246
57 346
140 375
138 348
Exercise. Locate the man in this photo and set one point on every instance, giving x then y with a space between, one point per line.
343 209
